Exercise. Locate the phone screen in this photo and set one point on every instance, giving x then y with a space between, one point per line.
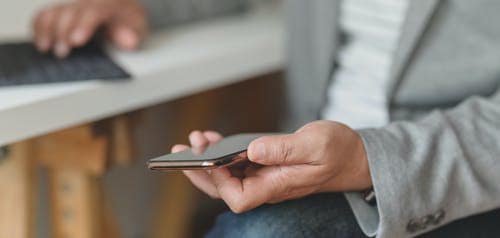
228 147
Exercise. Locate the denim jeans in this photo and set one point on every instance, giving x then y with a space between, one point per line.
329 215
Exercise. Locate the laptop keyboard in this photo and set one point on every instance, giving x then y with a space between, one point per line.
21 63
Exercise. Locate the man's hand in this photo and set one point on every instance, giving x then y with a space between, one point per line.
322 156
61 27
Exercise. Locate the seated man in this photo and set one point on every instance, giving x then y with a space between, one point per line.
408 94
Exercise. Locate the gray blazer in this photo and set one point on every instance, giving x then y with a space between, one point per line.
438 160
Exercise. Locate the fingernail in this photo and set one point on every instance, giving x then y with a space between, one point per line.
43 44
259 151
194 139
128 38
61 50
78 36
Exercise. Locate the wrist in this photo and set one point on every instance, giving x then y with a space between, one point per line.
361 171
351 171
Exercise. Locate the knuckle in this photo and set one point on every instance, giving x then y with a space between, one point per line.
238 207
279 181
211 191
89 22
284 151
218 186
43 16
287 192
45 12
68 13
70 7
275 201
213 195
60 10
323 140
238 204
90 11
235 210
310 126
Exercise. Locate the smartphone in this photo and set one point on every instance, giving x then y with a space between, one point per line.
226 152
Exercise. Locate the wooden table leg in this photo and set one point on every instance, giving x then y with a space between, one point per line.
118 130
17 191
77 159
75 199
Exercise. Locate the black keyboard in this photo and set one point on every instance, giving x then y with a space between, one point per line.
21 63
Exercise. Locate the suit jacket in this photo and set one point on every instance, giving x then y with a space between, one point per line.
438 160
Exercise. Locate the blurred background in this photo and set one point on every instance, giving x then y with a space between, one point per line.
132 201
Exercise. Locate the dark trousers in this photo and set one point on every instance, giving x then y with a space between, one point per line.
329 215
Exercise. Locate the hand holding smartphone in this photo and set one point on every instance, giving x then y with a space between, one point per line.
228 151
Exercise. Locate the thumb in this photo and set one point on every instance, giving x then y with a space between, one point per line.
276 150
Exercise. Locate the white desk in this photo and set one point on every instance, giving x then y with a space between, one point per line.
174 63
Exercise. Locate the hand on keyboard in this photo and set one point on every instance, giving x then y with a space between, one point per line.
62 27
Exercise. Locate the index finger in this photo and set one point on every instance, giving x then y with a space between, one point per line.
244 194
43 26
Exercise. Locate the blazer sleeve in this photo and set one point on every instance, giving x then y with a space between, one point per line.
428 173
164 13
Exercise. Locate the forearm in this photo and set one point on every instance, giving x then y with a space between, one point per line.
164 13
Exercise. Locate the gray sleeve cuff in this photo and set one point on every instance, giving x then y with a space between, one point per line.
367 216
371 218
